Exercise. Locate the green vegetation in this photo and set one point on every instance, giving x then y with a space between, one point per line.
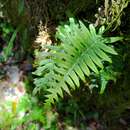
64 65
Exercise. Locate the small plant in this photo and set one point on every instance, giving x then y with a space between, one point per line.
82 52
25 113
113 12
6 30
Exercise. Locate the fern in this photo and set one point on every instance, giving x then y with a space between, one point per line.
82 51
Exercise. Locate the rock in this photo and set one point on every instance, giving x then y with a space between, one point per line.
13 73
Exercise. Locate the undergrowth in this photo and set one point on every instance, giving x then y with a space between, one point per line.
84 76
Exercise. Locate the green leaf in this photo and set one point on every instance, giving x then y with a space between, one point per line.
107 49
92 30
20 6
95 59
79 72
101 30
69 81
113 39
8 49
65 88
90 64
75 78
84 67
103 85
102 54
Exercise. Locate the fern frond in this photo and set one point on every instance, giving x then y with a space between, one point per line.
82 51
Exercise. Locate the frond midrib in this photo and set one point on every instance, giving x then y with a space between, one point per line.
79 58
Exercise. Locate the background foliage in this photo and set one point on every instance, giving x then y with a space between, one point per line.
89 103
